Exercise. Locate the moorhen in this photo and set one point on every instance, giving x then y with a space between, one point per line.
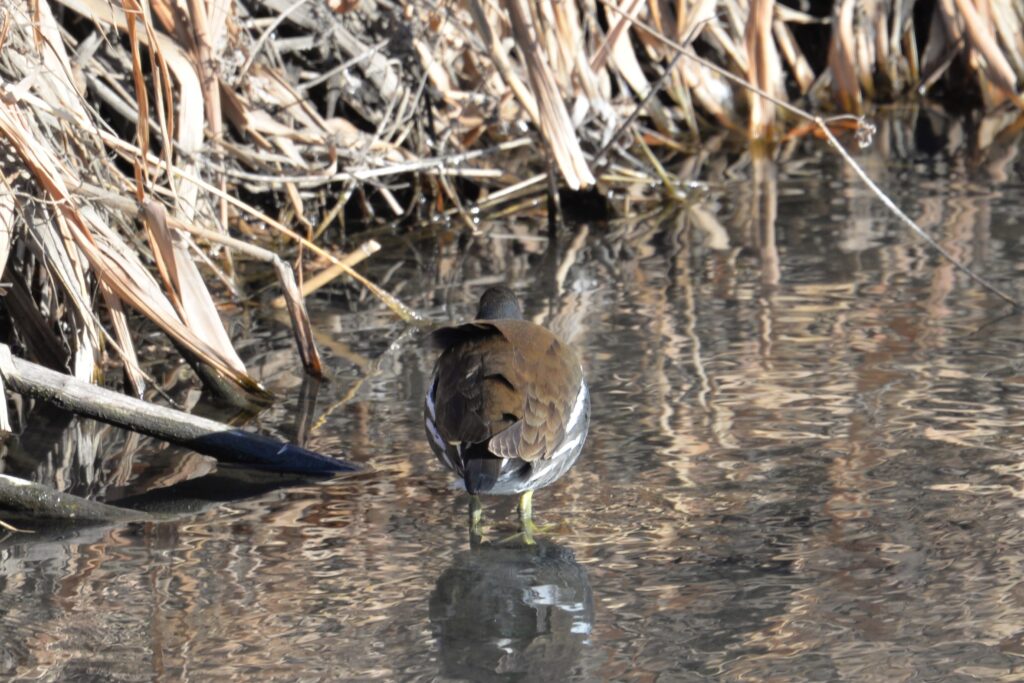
508 408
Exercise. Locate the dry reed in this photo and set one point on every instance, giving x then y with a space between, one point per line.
130 133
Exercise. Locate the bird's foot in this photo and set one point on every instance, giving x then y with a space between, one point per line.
528 529
477 535
528 533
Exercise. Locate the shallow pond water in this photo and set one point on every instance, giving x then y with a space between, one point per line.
806 462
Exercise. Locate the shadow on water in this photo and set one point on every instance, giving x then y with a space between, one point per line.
512 613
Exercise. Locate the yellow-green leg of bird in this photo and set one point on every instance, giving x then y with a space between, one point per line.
526 517
476 521
529 529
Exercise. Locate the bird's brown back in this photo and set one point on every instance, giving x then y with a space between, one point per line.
507 381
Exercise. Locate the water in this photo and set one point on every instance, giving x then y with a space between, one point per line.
805 463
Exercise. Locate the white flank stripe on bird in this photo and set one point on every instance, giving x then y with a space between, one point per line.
434 434
565 448
430 400
577 409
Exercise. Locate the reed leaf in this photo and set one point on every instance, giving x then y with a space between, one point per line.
185 285
979 30
763 67
111 260
554 121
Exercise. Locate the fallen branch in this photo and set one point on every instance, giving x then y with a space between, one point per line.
42 501
221 441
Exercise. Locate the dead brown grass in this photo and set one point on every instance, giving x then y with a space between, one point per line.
129 132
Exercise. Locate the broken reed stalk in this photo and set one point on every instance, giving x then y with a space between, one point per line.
13 529
822 125
42 501
221 441
292 299
403 312
329 274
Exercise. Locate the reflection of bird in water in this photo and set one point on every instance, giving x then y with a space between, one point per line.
508 407
503 612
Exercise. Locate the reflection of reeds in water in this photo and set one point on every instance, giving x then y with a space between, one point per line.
506 612
89 458
704 399
786 471
848 342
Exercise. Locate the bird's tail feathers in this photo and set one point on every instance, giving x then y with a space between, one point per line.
481 470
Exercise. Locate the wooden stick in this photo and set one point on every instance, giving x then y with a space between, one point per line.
42 501
221 441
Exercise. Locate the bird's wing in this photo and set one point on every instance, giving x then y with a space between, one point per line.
477 383
547 376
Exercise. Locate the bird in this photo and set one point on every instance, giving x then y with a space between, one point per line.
508 408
